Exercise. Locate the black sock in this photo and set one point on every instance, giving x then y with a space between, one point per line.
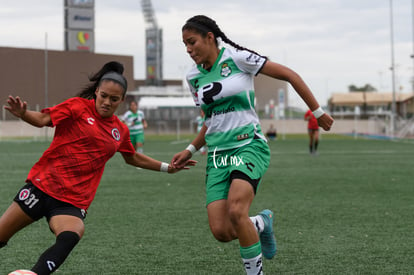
310 148
55 255
316 145
3 244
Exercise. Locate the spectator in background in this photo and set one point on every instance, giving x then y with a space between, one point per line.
271 132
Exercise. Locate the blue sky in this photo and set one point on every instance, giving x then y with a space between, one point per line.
330 43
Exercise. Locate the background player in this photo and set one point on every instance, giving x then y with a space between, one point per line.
313 132
136 122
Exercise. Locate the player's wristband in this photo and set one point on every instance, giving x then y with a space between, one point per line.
191 148
318 112
164 167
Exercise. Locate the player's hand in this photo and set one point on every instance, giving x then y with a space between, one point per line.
325 121
190 162
16 106
180 159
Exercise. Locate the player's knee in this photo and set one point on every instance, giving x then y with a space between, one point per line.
221 234
235 214
2 244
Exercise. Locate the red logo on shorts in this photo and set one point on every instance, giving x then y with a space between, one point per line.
24 194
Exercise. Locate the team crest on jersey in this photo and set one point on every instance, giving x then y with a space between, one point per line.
115 134
225 70
24 194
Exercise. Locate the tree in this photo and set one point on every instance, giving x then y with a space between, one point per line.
366 88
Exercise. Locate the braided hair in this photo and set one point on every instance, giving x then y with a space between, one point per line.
203 24
89 91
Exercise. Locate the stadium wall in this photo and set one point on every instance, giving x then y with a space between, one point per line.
23 74
19 129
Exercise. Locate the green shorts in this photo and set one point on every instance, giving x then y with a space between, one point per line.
137 138
252 160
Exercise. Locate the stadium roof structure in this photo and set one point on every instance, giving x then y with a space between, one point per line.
368 98
352 99
385 98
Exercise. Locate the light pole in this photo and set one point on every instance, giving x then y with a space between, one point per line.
46 81
393 105
412 55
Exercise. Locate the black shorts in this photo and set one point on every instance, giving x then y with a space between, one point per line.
240 175
37 204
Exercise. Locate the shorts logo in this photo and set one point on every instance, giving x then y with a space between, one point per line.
24 194
115 134
83 212
220 160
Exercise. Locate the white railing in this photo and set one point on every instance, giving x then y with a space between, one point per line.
406 128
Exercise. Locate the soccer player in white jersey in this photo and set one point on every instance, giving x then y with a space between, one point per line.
238 155
136 122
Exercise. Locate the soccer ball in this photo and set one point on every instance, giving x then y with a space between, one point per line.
22 272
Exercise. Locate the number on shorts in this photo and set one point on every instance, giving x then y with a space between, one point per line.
31 201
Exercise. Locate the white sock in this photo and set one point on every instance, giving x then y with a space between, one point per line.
140 150
253 266
258 223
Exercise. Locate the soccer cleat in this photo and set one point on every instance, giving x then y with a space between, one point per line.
267 237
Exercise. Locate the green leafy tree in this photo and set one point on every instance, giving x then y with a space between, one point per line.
366 88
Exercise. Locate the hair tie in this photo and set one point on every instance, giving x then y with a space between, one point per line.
114 76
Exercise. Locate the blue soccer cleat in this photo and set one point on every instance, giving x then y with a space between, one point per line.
267 237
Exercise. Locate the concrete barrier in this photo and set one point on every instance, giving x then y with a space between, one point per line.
20 129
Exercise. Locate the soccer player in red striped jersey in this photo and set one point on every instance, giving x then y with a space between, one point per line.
63 183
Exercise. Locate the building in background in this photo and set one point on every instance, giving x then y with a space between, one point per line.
376 107
48 81
370 104
45 77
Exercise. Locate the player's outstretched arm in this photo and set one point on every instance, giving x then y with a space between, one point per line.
18 108
146 162
179 160
281 72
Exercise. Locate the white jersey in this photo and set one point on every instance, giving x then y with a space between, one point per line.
134 121
226 95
